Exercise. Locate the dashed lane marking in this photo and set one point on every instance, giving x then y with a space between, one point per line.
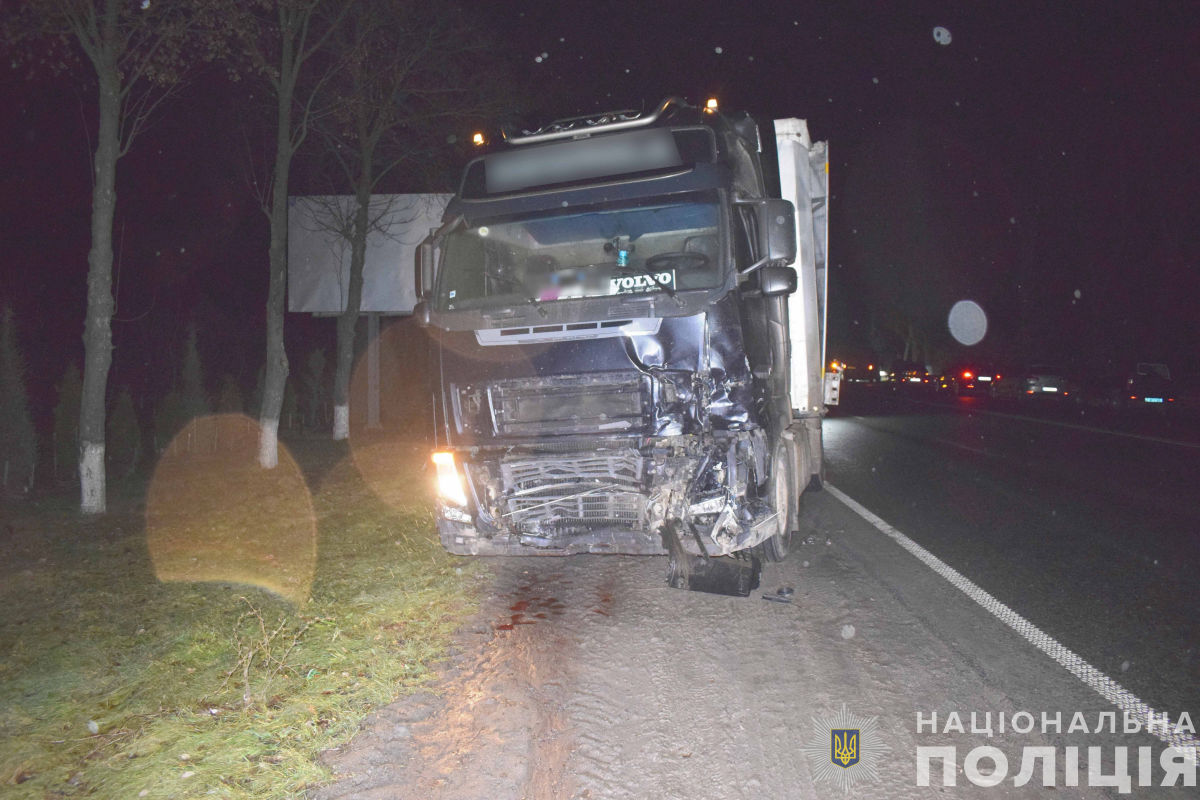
1103 685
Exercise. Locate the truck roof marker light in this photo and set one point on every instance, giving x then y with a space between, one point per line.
711 105
449 484
477 138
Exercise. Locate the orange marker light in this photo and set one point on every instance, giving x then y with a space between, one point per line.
477 138
711 105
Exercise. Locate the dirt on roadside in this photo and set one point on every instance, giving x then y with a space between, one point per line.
588 677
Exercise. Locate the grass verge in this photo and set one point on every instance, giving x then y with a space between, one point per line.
114 683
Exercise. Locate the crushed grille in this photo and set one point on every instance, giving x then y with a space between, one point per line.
603 488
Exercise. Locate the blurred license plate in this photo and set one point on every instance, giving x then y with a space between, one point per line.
1153 399
984 378
1049 388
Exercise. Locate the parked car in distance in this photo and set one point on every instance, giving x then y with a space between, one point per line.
1149 385
1042 382
909 377
968 379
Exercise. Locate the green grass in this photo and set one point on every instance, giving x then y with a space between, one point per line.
89 632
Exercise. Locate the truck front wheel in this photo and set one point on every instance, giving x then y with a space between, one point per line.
782 495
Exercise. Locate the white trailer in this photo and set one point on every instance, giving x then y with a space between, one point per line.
804 181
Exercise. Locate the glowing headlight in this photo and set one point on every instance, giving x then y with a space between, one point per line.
449 484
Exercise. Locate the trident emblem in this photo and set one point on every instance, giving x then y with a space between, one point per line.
843 746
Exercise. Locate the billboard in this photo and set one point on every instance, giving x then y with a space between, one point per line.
319 253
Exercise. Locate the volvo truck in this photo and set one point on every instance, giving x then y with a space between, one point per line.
626 323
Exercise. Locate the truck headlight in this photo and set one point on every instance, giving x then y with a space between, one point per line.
449 483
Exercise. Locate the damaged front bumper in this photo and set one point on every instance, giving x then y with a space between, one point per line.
606 497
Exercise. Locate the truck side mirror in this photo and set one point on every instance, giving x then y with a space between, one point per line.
421 314
777 281
776 231
424 271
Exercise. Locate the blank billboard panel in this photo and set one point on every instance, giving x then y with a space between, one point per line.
319 254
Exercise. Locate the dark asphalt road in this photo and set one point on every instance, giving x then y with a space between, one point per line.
1093 536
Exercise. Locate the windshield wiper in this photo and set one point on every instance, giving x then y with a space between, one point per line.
516 283
662 287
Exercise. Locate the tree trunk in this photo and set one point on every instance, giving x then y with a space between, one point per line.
277 362
97 336
348 321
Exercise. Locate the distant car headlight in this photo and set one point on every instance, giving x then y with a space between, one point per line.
449 482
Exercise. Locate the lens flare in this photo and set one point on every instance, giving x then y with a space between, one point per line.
212 514
968 322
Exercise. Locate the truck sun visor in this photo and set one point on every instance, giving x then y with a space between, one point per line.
581 160
586 160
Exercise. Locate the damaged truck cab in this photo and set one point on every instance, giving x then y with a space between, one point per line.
607 305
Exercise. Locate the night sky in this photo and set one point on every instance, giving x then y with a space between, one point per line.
1042 163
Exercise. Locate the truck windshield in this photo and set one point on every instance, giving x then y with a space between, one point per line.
648 245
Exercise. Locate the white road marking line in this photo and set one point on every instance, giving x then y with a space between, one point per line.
1157 439
1103 685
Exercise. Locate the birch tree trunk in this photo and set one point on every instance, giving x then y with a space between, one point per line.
348 322
277 362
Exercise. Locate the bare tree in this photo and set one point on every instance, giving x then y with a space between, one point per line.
141 51
410 70
285 41
18 441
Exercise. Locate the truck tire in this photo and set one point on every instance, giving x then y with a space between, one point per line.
781 492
